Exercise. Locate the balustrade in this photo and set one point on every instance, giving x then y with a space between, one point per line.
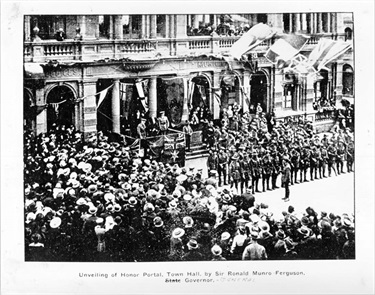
75 50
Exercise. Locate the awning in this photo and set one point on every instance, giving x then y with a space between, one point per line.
33 71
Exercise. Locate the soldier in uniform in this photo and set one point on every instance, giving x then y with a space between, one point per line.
332 153
163 123
235 172
276 167
255 172
285 179
266 171
295 159
304 163
341 152
314 160
210 134
213 161
222 166
246 171
323 161
350 157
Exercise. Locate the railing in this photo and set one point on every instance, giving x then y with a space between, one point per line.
59 49
199 44
325 114
90 50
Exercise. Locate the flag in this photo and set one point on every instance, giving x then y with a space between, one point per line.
285 48
135 147
338 48
175 141
140 91
191 92
174 147
245 94
319 52
185 106
102 96
252 38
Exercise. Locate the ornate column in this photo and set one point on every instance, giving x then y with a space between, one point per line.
246 94
195 21
303 23
152 99
41 119
81 19
116 106
118 27
153 26
329 23
185 107
297 22
291 22
27 28
89 108
339 80
172 26
320 23
168 26
206 18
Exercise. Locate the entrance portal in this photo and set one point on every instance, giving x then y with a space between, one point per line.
60 108
258 92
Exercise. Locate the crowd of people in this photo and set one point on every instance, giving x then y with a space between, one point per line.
96 200
223 29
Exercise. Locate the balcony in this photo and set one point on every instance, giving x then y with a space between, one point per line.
91 50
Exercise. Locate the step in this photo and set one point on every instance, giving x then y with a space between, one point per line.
196 156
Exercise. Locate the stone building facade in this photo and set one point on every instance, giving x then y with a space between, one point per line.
156 62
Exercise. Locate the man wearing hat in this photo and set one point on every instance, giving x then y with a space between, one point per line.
266 171
255 171
188 131
254 251
193 253
216 252
222 166
285 179
235 172
163 123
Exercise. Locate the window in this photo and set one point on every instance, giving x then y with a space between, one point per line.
348 34
161 26
104 26
348 80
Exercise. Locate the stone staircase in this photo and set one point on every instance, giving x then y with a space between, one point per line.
198 150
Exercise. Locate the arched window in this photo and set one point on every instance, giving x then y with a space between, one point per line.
348 34
347 80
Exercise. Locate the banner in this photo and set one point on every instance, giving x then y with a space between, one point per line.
174 98
285 48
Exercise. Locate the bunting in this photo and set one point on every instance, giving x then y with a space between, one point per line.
191 92
244 93
217 95
102 96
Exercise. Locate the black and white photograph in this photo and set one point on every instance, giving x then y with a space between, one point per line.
165 148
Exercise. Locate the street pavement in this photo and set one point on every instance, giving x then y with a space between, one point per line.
332 194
